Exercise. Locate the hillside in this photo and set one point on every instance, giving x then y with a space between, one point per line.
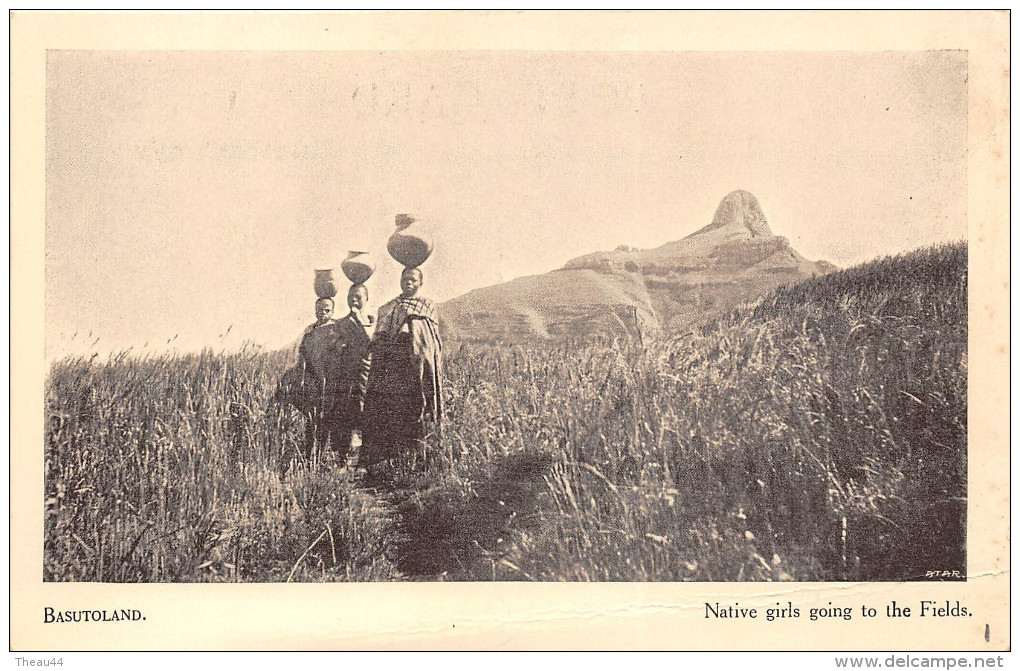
818 434
733 259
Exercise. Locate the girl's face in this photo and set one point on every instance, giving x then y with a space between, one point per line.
323 310
410 282
356 299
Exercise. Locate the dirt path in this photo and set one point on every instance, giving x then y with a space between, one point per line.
442 532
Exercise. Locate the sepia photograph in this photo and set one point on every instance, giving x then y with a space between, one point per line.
660 377
495 315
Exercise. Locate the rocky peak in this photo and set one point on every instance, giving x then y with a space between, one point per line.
734 259
740 212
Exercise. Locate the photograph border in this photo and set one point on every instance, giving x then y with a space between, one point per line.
515 616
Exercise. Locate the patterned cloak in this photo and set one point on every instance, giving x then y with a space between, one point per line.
403 403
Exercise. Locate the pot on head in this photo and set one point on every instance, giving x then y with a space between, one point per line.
358 267
325 283
410 244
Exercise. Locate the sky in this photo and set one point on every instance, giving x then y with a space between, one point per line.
191 195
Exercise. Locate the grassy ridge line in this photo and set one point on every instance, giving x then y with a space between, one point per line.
819 434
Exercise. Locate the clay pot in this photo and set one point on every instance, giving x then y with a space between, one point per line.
325 284
410 245
358 267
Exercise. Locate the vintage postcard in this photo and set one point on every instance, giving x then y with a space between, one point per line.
501 330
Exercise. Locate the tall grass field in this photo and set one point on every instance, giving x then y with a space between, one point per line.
817 434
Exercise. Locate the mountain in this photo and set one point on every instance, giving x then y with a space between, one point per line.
733 259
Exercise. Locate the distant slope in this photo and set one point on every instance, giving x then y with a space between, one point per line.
733 259
574 302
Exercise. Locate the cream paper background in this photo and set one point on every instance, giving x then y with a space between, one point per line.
520 616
